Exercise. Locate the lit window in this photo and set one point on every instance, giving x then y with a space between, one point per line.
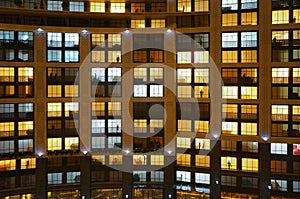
184 57
137 23
201 5
98 142
184 5
249 164
279 148
25 128
296 16
98 56
104 82
157 176
184 125
183 176
28 163
114 141
139 159
230 128
279 185
230 111
248 92
183 142
296 186
183 159
55 47
7 146
201 57
73 177
248 56
158 23
72 143
115 159
76 6
7 129
202 126
229 163
54 178
230 19
99 158
117 7
280 112
106 48
296 149
203 144
54 5
280 75
54 144
249 111
147 82
184 91
140 126
157 160
25 145
249 18
230 92
98 126
54 110
54 91
248 39
202 161
280 16
184 75
97 7
7 74
140 90
230 56
203 178
230 40
229 5
139 176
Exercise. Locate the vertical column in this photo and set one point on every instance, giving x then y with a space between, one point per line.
127 106
170 108
264 157
216 97
215 166
171 20
127 82
40 178
85 92
85 176
265 70
265 95
169 177
127 185
40 107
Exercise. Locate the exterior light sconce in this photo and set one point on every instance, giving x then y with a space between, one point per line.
39 30
85 32
265 138
84 152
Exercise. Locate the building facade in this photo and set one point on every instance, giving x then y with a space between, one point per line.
149 99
